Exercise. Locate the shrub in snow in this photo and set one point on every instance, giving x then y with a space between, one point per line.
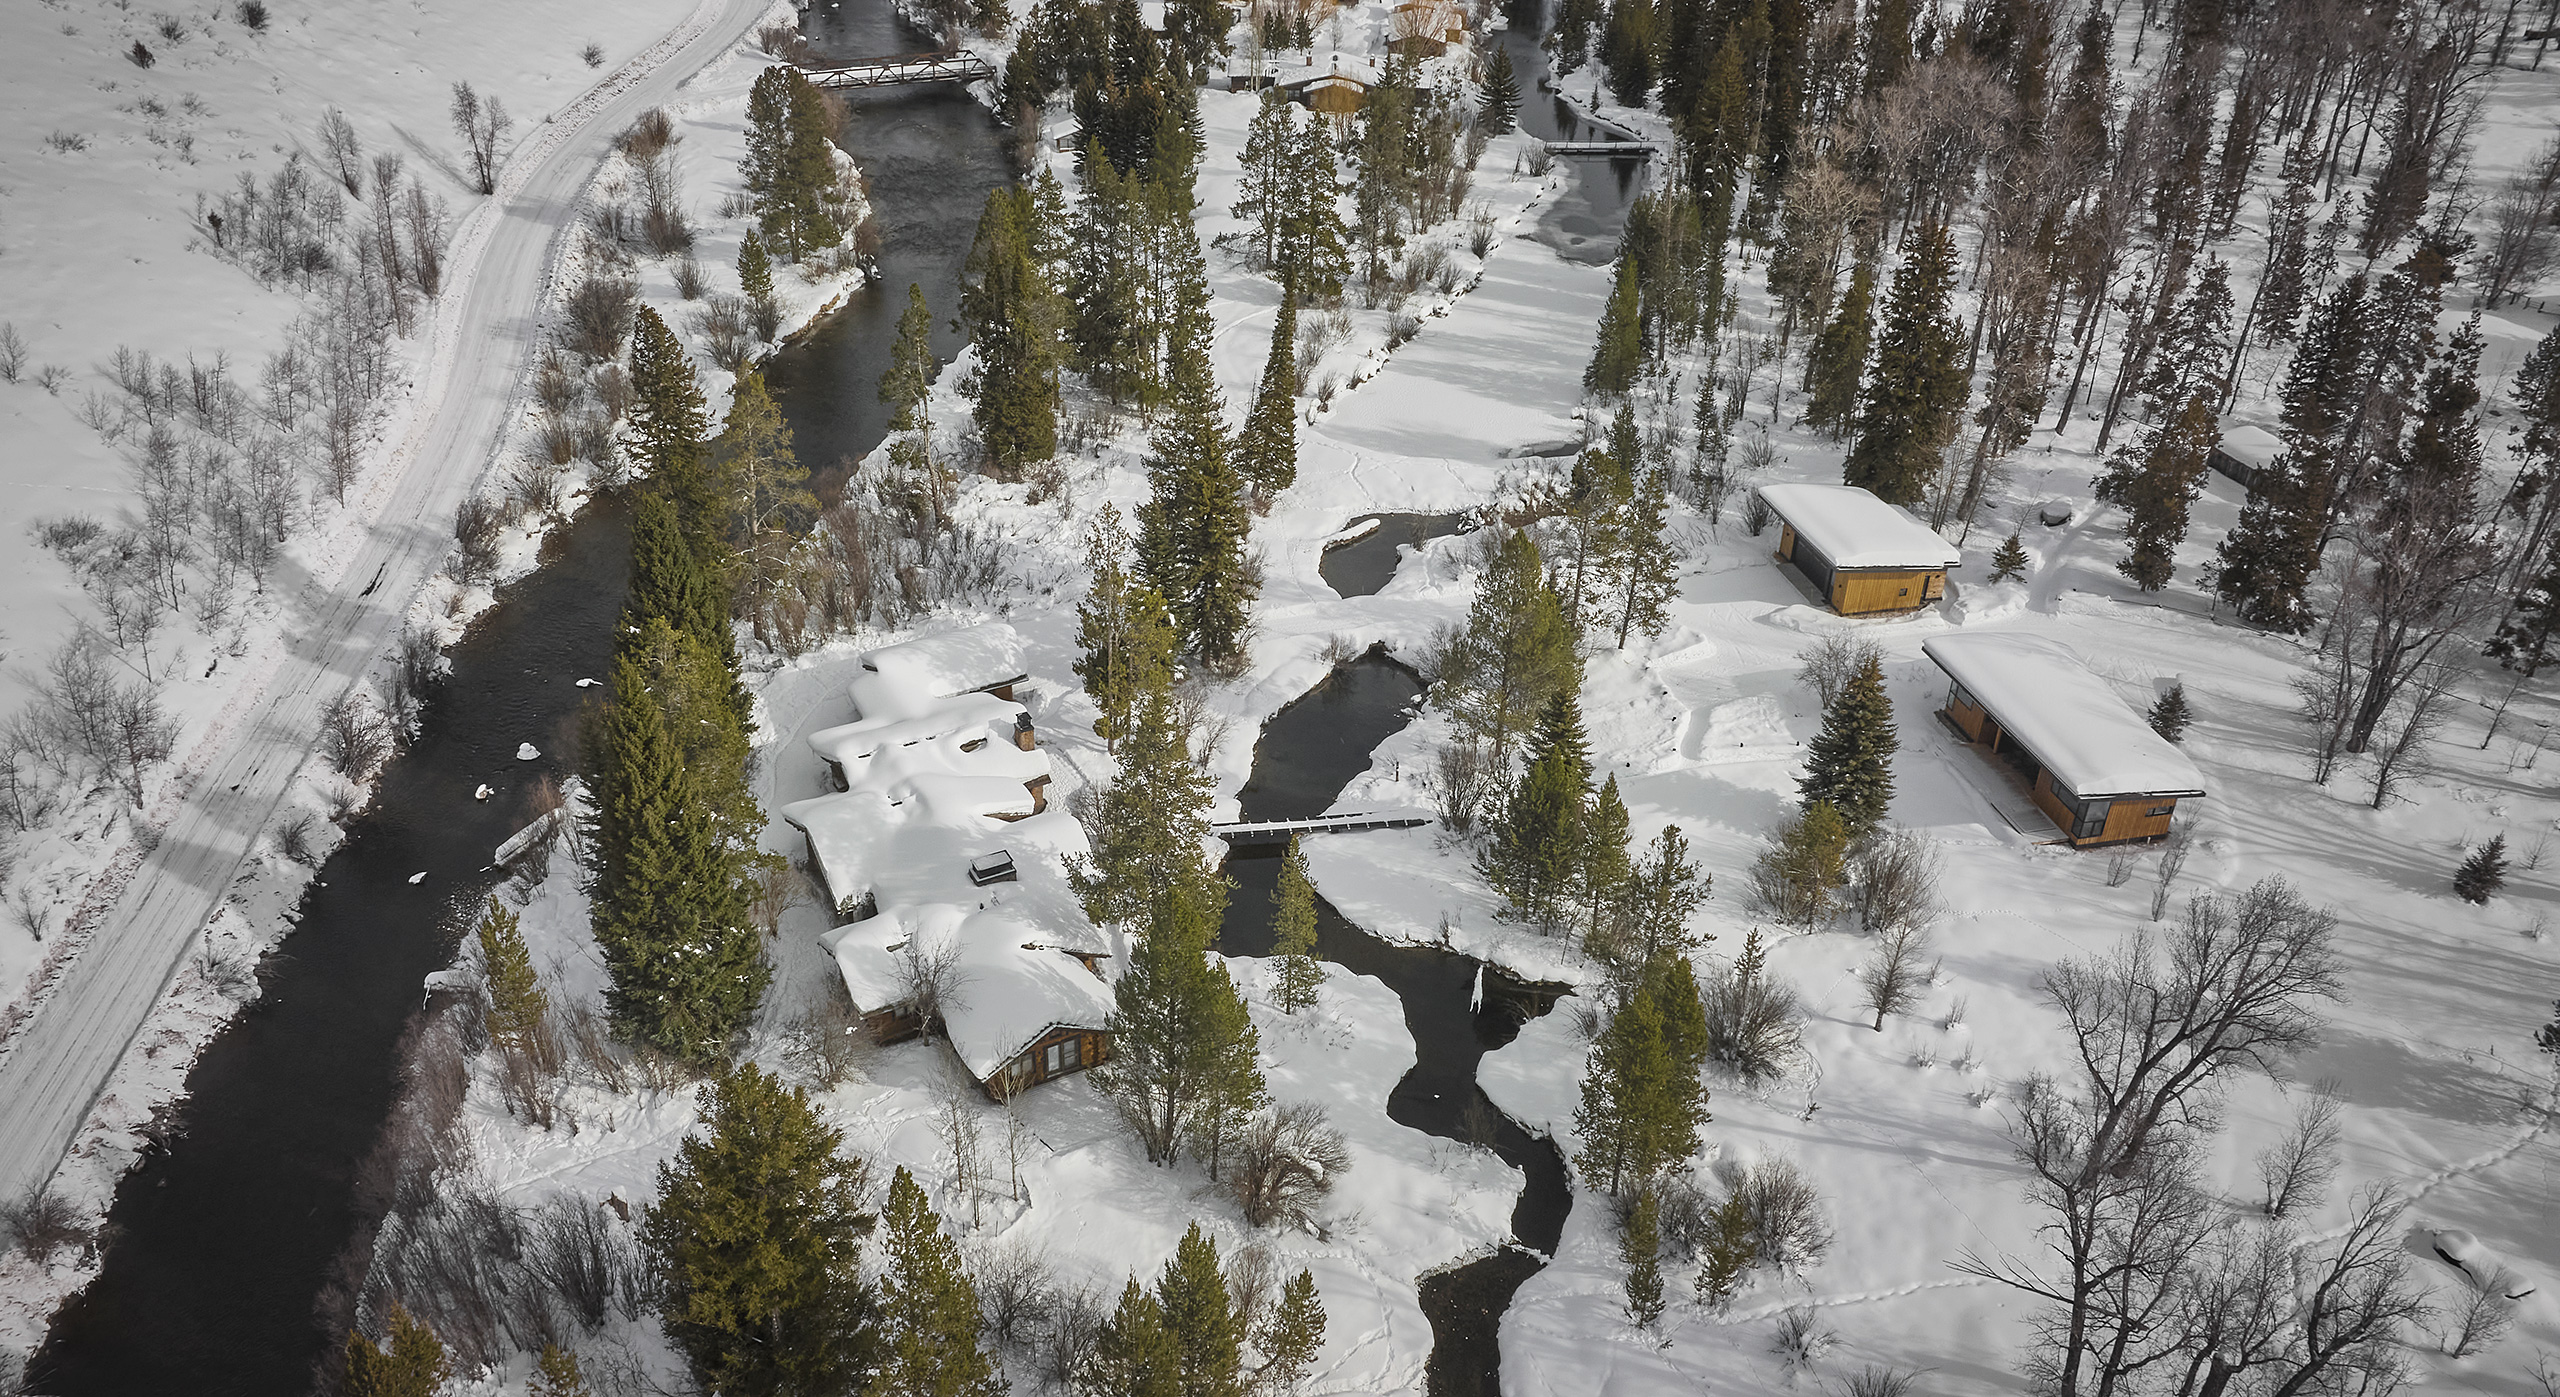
2482 874
1872 1381
41 1224
1897 885
140 53
593 55
1285 1164
1802 1337
1751 1016
409 1362
1784 1212
1798 878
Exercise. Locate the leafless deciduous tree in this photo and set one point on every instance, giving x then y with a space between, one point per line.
2294 1172
1829 664
1897 887
344 152
1284 1164
482 124
352 738
1893 974
1459 781
2521 214
477 524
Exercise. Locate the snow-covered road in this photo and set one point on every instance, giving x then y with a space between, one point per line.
235 777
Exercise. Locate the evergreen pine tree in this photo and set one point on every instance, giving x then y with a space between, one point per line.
2172 474
1148 824
1800 875
668 419
2265 564
667 580
1626 51
1730 1251
1914 396
1684 1028
1263 191
1619 355
2484 873
2169 716
411 1364
928 1307
1518 650
555 1374
1534 858
907 383
1111 286
1200 1318
767 492
1193 530
2009 561
790 167
1602 874
1644 566
1313 255
1642 1105
1183 1047
2524 639
1499 112
1124 634
1291 1337
1267 448
1134 1354
1662 891
1014 317
670 893
1836 366
1850 764
755 268
1640 1246
516 1002
755 1237
1293 923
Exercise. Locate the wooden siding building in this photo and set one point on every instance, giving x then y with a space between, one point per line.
1862 556
2244 454
1021 1006
2087 759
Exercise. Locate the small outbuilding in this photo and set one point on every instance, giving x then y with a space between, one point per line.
2245 454
1862 556
2089 761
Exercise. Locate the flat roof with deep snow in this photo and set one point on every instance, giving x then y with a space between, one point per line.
1854 529
2090 739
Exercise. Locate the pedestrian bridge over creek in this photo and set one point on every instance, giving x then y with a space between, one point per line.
1280 831
907 68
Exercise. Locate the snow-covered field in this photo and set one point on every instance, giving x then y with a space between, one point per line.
1902 1130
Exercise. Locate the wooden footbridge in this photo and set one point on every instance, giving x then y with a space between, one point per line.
907 68
1279 831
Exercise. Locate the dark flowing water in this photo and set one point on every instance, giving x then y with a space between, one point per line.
1365 565
1582 223
1308 752
222 1239
931 154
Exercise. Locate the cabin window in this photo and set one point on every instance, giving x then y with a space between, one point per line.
1904 592
1062 1056
2158 812
2092 820
1958 698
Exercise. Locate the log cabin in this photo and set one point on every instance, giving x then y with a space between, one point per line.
2090 763
1018 1004
1863 557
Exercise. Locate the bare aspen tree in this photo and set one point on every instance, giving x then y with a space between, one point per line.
2294 1172
344 152
1893 975
482 124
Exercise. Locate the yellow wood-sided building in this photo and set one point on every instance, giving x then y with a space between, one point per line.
2089 762
1861 555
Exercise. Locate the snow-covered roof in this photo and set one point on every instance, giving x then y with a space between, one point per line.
1854 529
2090 739
2254 447
965 718
1013 978
937 666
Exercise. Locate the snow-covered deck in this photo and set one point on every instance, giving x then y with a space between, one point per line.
2073 723
1854 529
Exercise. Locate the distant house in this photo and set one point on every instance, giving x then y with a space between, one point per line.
1019 1003
1862 556
938 850
1335 88
2089 761
2245 453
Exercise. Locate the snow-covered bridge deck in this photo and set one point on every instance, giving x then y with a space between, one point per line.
1279 831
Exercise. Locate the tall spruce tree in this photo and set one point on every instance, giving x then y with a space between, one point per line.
1642 1104
2265 564
1291 1337
1534 858
1183 1047
1619 355
1263 193
1134 1355
1837 364
907 384
1014 318
1850 764
670 893
928 1307
668 418
1518 649
1313 257
767 492
1201 1319
1643 572
1293 933
1602 874
1192 531
1663 889
517 1005
756 1237
1914 395
2156 498
790 166
1499 111
1148 824
1125 637
1267 448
